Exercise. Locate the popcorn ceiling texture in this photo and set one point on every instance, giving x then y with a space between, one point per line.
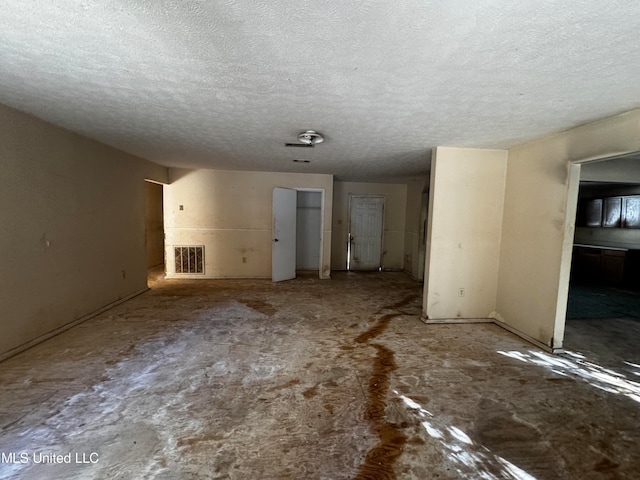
225 84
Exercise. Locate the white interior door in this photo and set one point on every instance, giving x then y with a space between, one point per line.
365 229
283 258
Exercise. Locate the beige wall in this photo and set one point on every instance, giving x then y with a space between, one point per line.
463 234
230 213
539 215
72 220
624 170
394 221
539 218
413 226
608 237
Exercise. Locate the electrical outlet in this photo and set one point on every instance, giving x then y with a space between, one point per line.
461 292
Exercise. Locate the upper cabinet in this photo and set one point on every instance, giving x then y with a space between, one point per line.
631 212
591 212
612 215
610 212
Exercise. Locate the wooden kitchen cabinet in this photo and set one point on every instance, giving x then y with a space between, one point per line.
599 265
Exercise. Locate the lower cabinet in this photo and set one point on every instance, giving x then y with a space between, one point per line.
601 265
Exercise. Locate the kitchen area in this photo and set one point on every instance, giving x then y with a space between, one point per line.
607 236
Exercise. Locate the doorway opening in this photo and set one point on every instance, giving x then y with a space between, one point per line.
308 230
603 305
422 237
298 224
154 229
366 226
605 267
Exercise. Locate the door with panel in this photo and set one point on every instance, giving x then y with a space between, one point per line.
283 255
366 215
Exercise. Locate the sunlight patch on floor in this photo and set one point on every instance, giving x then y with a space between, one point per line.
577 366
473 461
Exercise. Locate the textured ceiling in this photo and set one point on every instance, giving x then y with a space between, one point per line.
224 84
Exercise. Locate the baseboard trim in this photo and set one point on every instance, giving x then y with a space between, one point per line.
499 323
67 326
436 321
526 337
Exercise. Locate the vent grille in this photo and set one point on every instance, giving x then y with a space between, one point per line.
299 145
189 259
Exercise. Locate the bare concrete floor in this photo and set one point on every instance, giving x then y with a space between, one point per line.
310 379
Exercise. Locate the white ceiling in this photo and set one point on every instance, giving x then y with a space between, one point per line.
224 84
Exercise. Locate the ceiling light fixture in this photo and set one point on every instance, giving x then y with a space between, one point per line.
310 137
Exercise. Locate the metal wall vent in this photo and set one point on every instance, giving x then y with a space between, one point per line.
189 259
301 145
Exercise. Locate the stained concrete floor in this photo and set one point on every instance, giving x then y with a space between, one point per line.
311 379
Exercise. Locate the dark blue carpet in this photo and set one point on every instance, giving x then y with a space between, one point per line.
602 302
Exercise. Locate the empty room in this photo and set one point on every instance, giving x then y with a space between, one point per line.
318 240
